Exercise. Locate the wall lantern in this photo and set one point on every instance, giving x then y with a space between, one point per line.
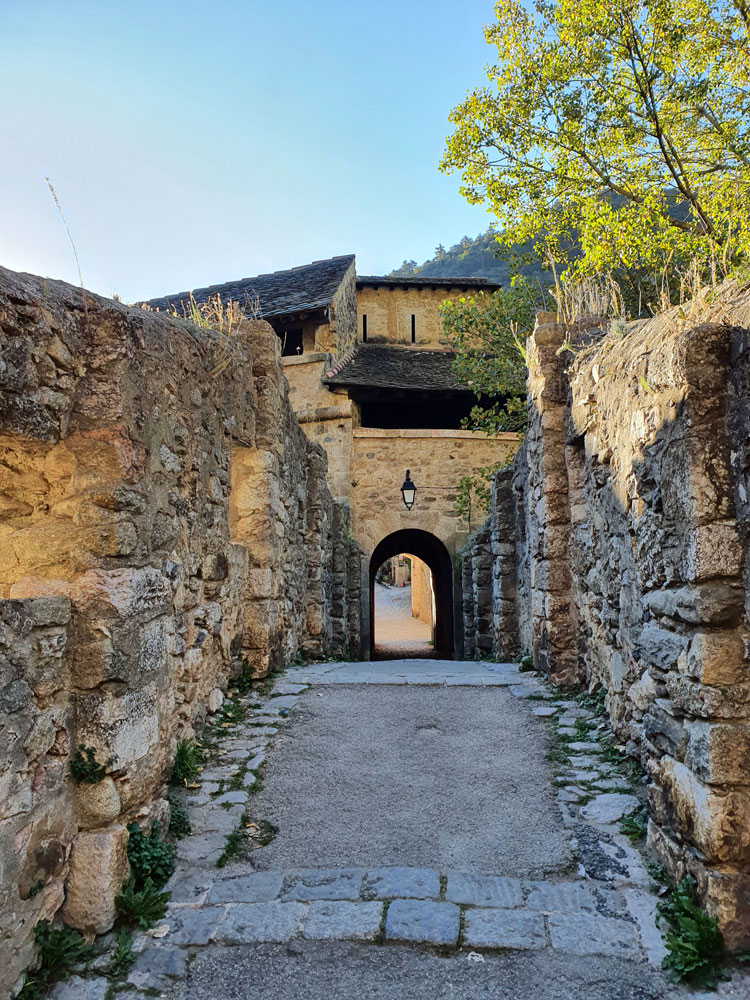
408 492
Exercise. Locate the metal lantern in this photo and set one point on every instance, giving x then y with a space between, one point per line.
408 491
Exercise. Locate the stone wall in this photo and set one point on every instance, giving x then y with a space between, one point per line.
162 518
422 598
389 310
437 459
627 511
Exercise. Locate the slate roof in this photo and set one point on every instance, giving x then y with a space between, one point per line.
374 281
299 289
375 366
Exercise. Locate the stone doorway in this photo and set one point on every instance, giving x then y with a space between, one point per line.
433 570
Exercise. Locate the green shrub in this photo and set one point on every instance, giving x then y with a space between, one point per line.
141 906
187 762
694 942
150 857
60 950
85 768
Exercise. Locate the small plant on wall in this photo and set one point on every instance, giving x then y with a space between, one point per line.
86 769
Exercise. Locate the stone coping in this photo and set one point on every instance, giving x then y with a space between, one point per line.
420 432
304 359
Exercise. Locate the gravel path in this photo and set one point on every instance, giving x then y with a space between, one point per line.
449 778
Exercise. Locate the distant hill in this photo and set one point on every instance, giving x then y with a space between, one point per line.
477 258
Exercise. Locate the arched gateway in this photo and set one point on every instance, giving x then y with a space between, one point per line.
434 554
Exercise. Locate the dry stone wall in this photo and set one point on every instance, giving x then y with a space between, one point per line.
627 511
163 518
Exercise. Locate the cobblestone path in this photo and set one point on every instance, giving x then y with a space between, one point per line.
397 633
576 920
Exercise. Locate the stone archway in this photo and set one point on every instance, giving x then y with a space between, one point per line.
433 552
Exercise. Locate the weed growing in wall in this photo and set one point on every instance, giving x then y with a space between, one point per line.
694 942
60 950
187 762
634 824
150 857
122 955
141 907
86 769
179 823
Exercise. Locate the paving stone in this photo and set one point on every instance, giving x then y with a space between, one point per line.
483 890
544 711
410 883
584 747
255 762
584 761
503 929
201 849
422 921
339 883
463 680
609 807
642 909
587 934
155 966
560 897
336 920
213 820
233 797
283 704
250 922
189 885
613 782
497 681
285 688
77 988
257 887
521 690
192 924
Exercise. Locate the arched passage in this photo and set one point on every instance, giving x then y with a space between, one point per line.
431 551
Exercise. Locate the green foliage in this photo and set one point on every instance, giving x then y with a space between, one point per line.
488 334
122 955
235 841
85 768
231 711
525 663
694 942
150 857
243 682
141 906
593 702
658 872
179 823
60 950
616 127
187 762
473 492
634 824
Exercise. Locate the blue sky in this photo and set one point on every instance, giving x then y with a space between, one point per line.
196 142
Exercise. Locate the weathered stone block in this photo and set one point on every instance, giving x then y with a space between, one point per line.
715 658
719 753
98 868
97 805
717 822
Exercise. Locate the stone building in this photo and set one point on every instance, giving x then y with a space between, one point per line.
370 379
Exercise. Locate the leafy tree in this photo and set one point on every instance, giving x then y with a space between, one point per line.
620 124
488 333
